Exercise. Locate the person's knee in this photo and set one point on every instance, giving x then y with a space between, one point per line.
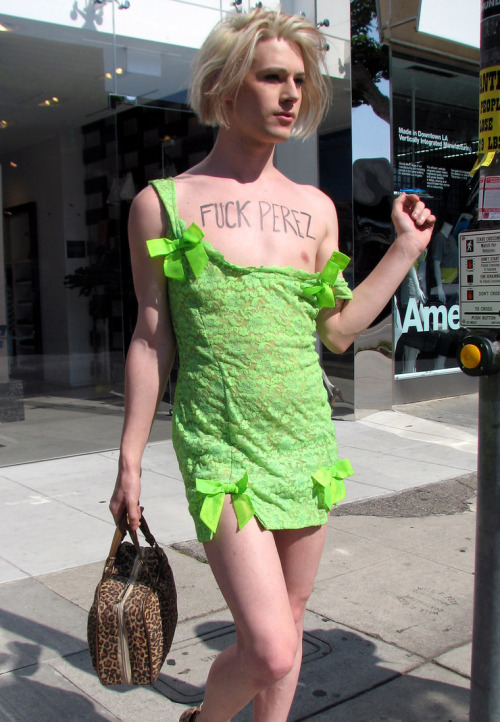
274 663
273 657
298 603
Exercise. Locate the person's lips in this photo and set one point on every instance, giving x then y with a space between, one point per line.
284 115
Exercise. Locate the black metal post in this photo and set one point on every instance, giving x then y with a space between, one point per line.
485 673
485 677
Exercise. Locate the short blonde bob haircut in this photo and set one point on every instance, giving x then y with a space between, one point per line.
226 56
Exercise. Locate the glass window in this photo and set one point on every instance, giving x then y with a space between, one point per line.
434 148
93 106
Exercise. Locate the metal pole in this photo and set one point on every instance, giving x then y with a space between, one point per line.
485 672
485 676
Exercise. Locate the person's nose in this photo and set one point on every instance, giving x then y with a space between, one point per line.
290 91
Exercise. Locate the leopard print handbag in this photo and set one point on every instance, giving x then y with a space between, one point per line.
132 620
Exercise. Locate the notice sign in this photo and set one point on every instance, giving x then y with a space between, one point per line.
489 198
480 279
489 110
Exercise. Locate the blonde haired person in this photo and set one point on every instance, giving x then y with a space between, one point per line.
221 65
253 269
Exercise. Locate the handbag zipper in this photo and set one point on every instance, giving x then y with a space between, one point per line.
123 650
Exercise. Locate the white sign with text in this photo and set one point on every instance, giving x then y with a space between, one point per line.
480 278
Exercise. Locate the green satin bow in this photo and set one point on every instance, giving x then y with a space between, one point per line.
330 480
190 243
215 492
323 289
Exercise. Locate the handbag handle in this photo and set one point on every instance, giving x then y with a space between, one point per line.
119 535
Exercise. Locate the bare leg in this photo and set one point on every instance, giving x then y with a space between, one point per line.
300 552
248 569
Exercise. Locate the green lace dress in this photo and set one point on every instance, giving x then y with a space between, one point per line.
251 416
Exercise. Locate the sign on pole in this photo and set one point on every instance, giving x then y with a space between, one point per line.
480 279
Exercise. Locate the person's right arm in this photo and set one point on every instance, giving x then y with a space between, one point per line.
150 355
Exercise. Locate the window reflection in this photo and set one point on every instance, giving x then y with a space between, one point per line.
435 143
76 147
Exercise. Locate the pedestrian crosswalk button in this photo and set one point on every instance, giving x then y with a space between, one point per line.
470 356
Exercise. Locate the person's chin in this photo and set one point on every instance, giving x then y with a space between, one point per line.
281 133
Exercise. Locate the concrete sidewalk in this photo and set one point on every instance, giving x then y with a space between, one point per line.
388 626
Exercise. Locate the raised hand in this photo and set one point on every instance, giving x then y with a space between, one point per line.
414 222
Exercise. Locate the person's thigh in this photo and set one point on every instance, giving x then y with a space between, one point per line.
247 568
300 554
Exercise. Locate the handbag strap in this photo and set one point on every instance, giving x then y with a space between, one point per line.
119 535
146 532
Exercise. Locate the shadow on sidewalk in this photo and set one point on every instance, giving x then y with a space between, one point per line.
38 692
343 677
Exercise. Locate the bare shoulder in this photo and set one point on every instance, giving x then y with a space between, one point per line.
191 189
189 182
319 201
323 209
147 218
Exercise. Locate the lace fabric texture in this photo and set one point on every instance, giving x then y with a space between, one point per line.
251 416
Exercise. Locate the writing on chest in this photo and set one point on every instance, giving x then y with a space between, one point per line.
261 215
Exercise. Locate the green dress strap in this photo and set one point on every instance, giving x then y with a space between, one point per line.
183 248
165 187
330 283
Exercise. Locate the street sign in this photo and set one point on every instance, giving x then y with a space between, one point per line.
480 279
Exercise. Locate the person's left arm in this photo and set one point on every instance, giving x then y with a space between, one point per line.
338 327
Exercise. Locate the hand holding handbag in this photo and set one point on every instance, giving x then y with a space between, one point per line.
132 620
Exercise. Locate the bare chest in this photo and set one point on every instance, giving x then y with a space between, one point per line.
257 230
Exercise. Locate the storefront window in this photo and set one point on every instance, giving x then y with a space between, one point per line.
93 106
434 147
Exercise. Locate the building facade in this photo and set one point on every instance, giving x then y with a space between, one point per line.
93 105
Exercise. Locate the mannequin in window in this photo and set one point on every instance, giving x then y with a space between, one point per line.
413 286
445 267
445 261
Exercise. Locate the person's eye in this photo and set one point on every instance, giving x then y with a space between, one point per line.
272 78
300 81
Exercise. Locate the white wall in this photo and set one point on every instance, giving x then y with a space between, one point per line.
51 175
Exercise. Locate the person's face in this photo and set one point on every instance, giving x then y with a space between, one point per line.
269 99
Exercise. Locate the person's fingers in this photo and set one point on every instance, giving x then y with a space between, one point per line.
422 216
418 211
409 204
134 515
399 202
